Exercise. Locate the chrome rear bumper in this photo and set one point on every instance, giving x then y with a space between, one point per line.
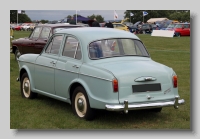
125 107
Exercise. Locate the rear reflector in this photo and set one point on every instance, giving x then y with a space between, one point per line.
115 85
175 81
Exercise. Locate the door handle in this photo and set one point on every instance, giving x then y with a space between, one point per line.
52 62
75 66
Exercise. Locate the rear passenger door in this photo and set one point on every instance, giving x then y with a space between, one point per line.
67 66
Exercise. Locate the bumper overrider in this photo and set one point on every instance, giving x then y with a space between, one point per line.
125 107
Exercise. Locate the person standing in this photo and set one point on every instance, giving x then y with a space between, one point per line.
95 23
109 25
72 21
11 37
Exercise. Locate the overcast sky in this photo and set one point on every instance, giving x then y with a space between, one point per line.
60 14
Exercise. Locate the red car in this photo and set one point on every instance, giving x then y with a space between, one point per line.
17 27
37 39
182 29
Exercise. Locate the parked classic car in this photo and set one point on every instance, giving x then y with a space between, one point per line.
182 29
98 68
146 28
37 39
120 26
132 28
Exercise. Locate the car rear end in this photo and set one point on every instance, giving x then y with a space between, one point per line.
144 85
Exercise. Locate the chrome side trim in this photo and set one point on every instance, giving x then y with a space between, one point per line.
95 77
67 70
71 71
125 107
25 61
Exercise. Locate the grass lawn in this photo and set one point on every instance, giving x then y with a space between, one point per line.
47 113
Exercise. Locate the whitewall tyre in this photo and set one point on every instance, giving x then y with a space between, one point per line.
25 86
80 104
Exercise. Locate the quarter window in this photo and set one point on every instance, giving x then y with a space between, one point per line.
54 45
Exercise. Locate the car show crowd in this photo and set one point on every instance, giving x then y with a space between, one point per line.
137 28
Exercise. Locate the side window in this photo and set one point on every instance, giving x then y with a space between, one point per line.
54 45
45 33
186 26
36 32
72 48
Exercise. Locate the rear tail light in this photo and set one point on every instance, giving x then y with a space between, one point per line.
115 85
174 79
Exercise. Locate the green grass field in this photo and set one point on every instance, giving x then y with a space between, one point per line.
47 113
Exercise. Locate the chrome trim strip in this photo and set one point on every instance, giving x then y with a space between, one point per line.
96 77
66 70
125 107
25 61
72 71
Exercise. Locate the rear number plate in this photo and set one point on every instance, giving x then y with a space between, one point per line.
146 87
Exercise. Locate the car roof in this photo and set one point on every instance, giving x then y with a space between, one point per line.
89 34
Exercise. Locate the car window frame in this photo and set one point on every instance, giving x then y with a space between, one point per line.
31 37
79 45
88 51
49 41
49 32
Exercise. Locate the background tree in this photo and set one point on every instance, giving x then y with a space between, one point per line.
22 18
44 21
99 18
69 17
77 15
180 15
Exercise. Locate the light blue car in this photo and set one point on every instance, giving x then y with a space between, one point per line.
98 68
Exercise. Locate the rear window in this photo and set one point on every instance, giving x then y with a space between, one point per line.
116 48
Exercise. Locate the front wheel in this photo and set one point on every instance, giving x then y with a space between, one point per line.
25 86
17 54
80 104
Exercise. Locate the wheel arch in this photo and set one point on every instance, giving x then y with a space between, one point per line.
23 70
76 84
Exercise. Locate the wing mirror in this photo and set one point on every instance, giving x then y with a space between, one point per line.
45 40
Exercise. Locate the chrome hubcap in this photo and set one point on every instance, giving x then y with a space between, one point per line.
26 87
80 104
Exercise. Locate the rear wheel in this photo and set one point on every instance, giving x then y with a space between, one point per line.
25 86
80 104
